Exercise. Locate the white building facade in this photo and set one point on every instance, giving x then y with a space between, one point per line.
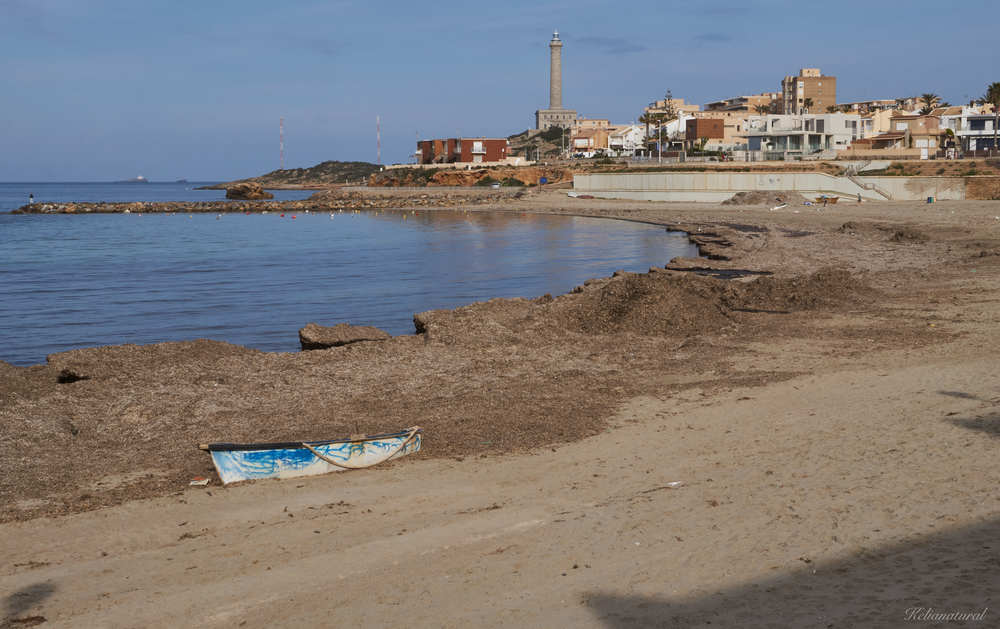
794 136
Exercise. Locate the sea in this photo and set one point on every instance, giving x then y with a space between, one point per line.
70 281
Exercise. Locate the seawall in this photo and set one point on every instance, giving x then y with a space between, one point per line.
716 187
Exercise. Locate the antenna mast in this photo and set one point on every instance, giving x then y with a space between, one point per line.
281 142
378 140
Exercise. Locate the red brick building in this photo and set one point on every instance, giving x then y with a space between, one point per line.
709 128
471 150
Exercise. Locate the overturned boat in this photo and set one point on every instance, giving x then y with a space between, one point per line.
250 461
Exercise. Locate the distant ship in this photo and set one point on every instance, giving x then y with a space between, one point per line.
139 179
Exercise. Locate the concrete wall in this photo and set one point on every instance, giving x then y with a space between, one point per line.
919 188
714 187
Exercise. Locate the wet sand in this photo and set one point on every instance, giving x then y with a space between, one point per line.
834 435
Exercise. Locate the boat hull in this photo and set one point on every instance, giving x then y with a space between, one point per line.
236 462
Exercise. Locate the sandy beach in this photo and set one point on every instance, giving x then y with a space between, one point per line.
798 430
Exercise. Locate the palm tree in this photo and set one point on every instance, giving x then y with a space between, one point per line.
992 97
930 101
762 109
832 109
806 104
646 118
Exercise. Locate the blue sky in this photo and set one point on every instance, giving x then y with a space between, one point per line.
108 89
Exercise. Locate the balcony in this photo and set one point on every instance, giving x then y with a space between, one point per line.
478 148
972 133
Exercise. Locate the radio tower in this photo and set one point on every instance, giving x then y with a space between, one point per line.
281 142
378 140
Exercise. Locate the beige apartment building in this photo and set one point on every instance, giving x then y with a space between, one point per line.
809 84
679 106
909 137
589 124
746 104
733 126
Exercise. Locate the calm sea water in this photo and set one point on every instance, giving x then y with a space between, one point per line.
69 281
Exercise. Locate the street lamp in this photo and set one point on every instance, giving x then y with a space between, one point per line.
659 142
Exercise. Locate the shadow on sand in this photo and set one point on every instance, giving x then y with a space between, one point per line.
19 602
953 571
989 424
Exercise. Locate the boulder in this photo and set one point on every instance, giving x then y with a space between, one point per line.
315 336
247 190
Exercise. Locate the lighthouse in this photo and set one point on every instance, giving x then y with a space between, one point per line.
555 115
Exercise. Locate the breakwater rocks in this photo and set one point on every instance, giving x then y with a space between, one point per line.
325 200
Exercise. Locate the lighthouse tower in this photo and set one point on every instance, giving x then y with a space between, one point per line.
555 115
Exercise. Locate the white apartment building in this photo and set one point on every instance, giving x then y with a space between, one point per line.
784 136
627 140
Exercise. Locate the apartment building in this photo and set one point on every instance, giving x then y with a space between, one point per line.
909 137
588 124
627 140
733 124
590 140
809 84
746 104
783 136
868 106
972 128
471 150
707 129
677 104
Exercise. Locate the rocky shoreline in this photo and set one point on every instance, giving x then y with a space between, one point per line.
459 359
331 200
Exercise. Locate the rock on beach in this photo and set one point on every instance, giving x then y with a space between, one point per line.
315 336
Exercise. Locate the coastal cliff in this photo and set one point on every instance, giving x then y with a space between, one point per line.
321 175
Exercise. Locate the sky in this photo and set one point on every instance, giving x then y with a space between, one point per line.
101 90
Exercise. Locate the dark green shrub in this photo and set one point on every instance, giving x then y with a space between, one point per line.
551 134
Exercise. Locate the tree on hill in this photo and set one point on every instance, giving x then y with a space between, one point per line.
992 97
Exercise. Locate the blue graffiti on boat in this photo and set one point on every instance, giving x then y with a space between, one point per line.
239 462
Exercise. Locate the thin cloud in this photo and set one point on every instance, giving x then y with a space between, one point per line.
712 38
612 45
723 11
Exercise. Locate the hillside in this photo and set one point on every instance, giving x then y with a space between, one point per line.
318 176
535 144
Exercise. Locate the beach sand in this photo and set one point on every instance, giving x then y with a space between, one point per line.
811 444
